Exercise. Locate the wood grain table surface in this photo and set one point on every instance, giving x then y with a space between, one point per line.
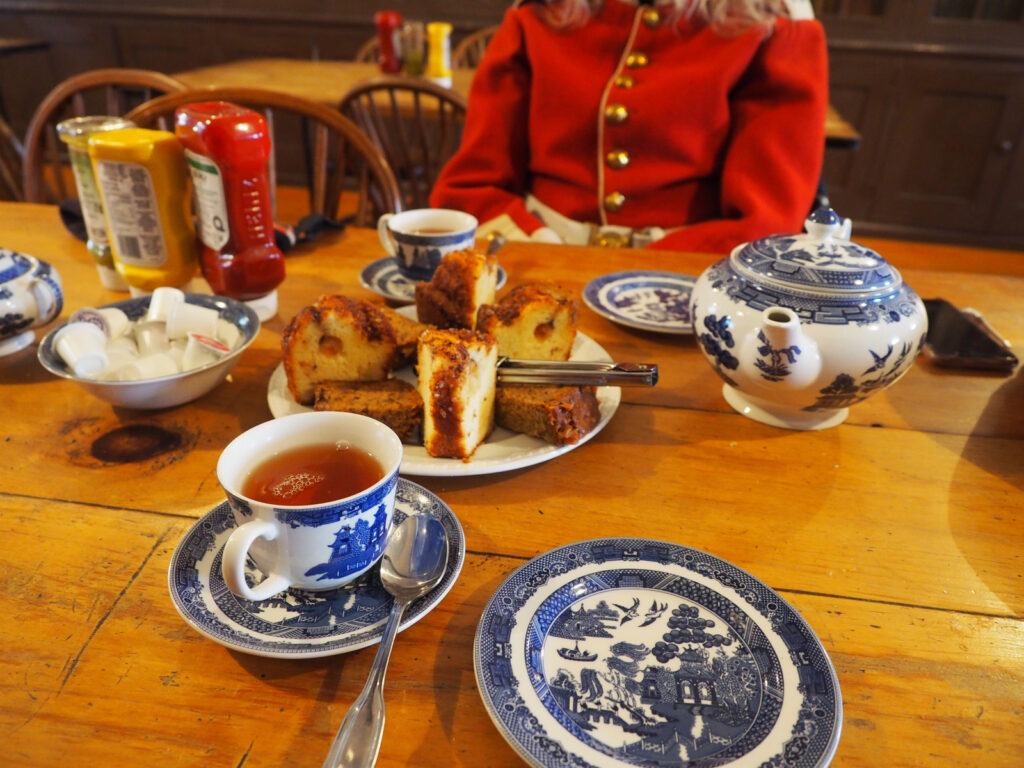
899 536
327 81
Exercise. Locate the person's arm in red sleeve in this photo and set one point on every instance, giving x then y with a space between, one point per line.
488 175
774 156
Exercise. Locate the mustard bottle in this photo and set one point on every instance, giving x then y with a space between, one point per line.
439 60
143 183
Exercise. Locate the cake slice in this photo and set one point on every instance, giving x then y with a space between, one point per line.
407 334
393 402
557 415
464 281
337 339
457 372
533 322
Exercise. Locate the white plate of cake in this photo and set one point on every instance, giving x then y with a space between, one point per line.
347 354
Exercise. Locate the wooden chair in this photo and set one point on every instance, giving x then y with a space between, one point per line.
415 123
470 51
369 52
100 91
334 148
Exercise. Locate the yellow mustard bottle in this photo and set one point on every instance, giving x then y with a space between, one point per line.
439 57
143 182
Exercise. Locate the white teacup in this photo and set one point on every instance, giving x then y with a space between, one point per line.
30 296
299 546
419 239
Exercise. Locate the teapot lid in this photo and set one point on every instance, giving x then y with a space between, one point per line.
823 261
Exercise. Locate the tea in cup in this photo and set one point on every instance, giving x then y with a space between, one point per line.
313 495
419 239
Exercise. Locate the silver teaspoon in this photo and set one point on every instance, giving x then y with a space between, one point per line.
414 561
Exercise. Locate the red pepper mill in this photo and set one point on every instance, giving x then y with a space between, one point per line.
227 148
389 25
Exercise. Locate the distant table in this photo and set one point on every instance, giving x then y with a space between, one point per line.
899 536
328 81
10 154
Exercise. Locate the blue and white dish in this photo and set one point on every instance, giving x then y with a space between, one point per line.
383 278
30 295
643 299
800 327
298 623
631 652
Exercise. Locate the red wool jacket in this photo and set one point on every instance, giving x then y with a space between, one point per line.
632 121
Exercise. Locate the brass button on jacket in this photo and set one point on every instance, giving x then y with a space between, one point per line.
614 201
624 81
651 17
636 60
616 113
617 158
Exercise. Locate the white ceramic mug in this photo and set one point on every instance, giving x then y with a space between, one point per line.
418 252
30 296
313 546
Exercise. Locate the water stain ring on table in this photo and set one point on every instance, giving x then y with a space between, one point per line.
134 442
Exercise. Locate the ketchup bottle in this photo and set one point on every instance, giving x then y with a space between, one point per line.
389 25
227 149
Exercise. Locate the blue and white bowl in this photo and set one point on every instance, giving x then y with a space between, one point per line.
163 391
800 327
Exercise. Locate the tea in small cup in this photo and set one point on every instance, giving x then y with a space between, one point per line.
313 495
419 239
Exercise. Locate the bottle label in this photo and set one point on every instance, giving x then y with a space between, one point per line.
89 198
134 218
209 187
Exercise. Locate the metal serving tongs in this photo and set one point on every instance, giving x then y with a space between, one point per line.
576 373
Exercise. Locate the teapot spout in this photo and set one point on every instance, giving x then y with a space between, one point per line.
780 352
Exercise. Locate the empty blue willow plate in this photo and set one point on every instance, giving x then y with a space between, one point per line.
299 623
643 299
382 277
632 652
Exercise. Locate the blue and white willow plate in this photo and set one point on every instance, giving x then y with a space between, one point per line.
298 624
382 277
644 299
631 652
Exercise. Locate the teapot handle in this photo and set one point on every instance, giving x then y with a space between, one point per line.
48 295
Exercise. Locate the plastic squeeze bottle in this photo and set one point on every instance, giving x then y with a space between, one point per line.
228 150
389 25
439 60
75 133
144 189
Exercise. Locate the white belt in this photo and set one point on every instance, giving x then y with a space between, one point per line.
575 232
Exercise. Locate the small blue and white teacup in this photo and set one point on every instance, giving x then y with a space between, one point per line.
317 546
30 296
419 239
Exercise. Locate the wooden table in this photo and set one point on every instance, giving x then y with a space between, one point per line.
898 535
328 81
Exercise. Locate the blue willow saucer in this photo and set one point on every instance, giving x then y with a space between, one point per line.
631 652
298 623
643 299
382 277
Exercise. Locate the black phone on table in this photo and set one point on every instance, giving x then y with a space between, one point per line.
962 339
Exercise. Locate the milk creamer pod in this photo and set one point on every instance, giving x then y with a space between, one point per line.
143 183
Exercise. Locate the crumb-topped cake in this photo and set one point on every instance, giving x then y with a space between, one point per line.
407 334
393 402
457 373
464 281
535 321
337 339
557 415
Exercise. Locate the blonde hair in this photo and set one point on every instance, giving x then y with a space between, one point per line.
723 15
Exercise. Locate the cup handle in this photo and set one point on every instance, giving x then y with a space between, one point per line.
385 235
49 298
233 561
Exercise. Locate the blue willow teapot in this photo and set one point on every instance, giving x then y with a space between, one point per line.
800 327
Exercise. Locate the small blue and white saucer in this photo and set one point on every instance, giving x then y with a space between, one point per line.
298 623
631 652
383 278
643 299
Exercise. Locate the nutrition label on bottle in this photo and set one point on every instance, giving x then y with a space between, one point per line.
134 218
210 205
89 198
